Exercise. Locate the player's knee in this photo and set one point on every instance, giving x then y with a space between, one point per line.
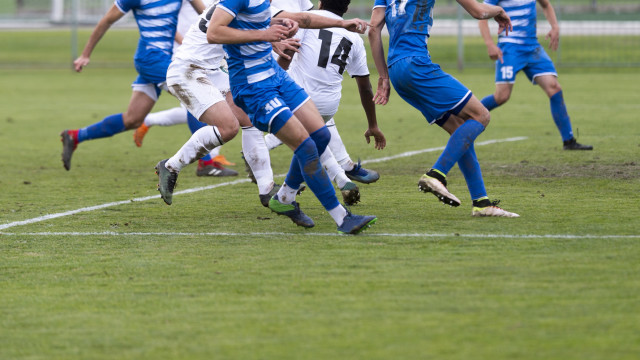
483 117
228 129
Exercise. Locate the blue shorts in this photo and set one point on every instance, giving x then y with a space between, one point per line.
270 103
152 70
426 87
534 61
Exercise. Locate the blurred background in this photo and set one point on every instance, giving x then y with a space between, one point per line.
594 33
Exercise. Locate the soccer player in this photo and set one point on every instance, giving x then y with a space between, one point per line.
318 67
520 50
275 103
441 98
157 23
213 163
354 171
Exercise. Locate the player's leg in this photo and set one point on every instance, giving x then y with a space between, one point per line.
550 85
505 75
142 100
315 176
354 171
173 116
208 165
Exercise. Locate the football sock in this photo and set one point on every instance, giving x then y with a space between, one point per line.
198 145
470 169
195 125
287 194
306 157
174 116
272 141
489 102
458 144
560 116
338 213
337 147
321 137
256 154
333 169
109 126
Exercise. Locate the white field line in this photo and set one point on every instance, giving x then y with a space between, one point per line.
192 190
280 234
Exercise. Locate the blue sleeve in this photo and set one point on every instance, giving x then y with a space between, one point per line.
491 2
233 6
380 3
126 5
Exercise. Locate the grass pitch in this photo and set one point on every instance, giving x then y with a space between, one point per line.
216 275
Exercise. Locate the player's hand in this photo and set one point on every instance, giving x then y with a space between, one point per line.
378 136
554 38
504 22
292 25
381 97
276 33
356 25
80 62
287 47
495 53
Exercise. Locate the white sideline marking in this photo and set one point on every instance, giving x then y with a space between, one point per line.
280 234
192 190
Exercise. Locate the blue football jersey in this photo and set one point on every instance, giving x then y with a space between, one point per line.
249 62
409 23
523 17
157 20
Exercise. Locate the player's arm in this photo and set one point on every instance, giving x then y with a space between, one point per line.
313 21
219 31
113 14
198 6
494 51
377 51
366 98
483 11
554 33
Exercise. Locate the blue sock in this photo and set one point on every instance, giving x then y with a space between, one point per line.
489 102
321 137
195 125
306 157
109 126
560 116
459 143
470 168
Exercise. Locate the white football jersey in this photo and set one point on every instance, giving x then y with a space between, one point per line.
324 56
292 5
195 48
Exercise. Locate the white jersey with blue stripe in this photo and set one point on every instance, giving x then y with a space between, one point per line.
523 17
249 62
157 20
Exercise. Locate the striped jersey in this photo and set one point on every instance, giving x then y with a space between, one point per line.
157 20
409 23
523 17
249 62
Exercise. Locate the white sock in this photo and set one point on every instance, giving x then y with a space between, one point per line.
198 145
333 169
287 195
215 152
272 141
338 213
337 147
174 116
256 154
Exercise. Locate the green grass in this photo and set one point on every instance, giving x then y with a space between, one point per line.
142 280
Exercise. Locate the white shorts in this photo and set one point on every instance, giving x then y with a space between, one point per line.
197 88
